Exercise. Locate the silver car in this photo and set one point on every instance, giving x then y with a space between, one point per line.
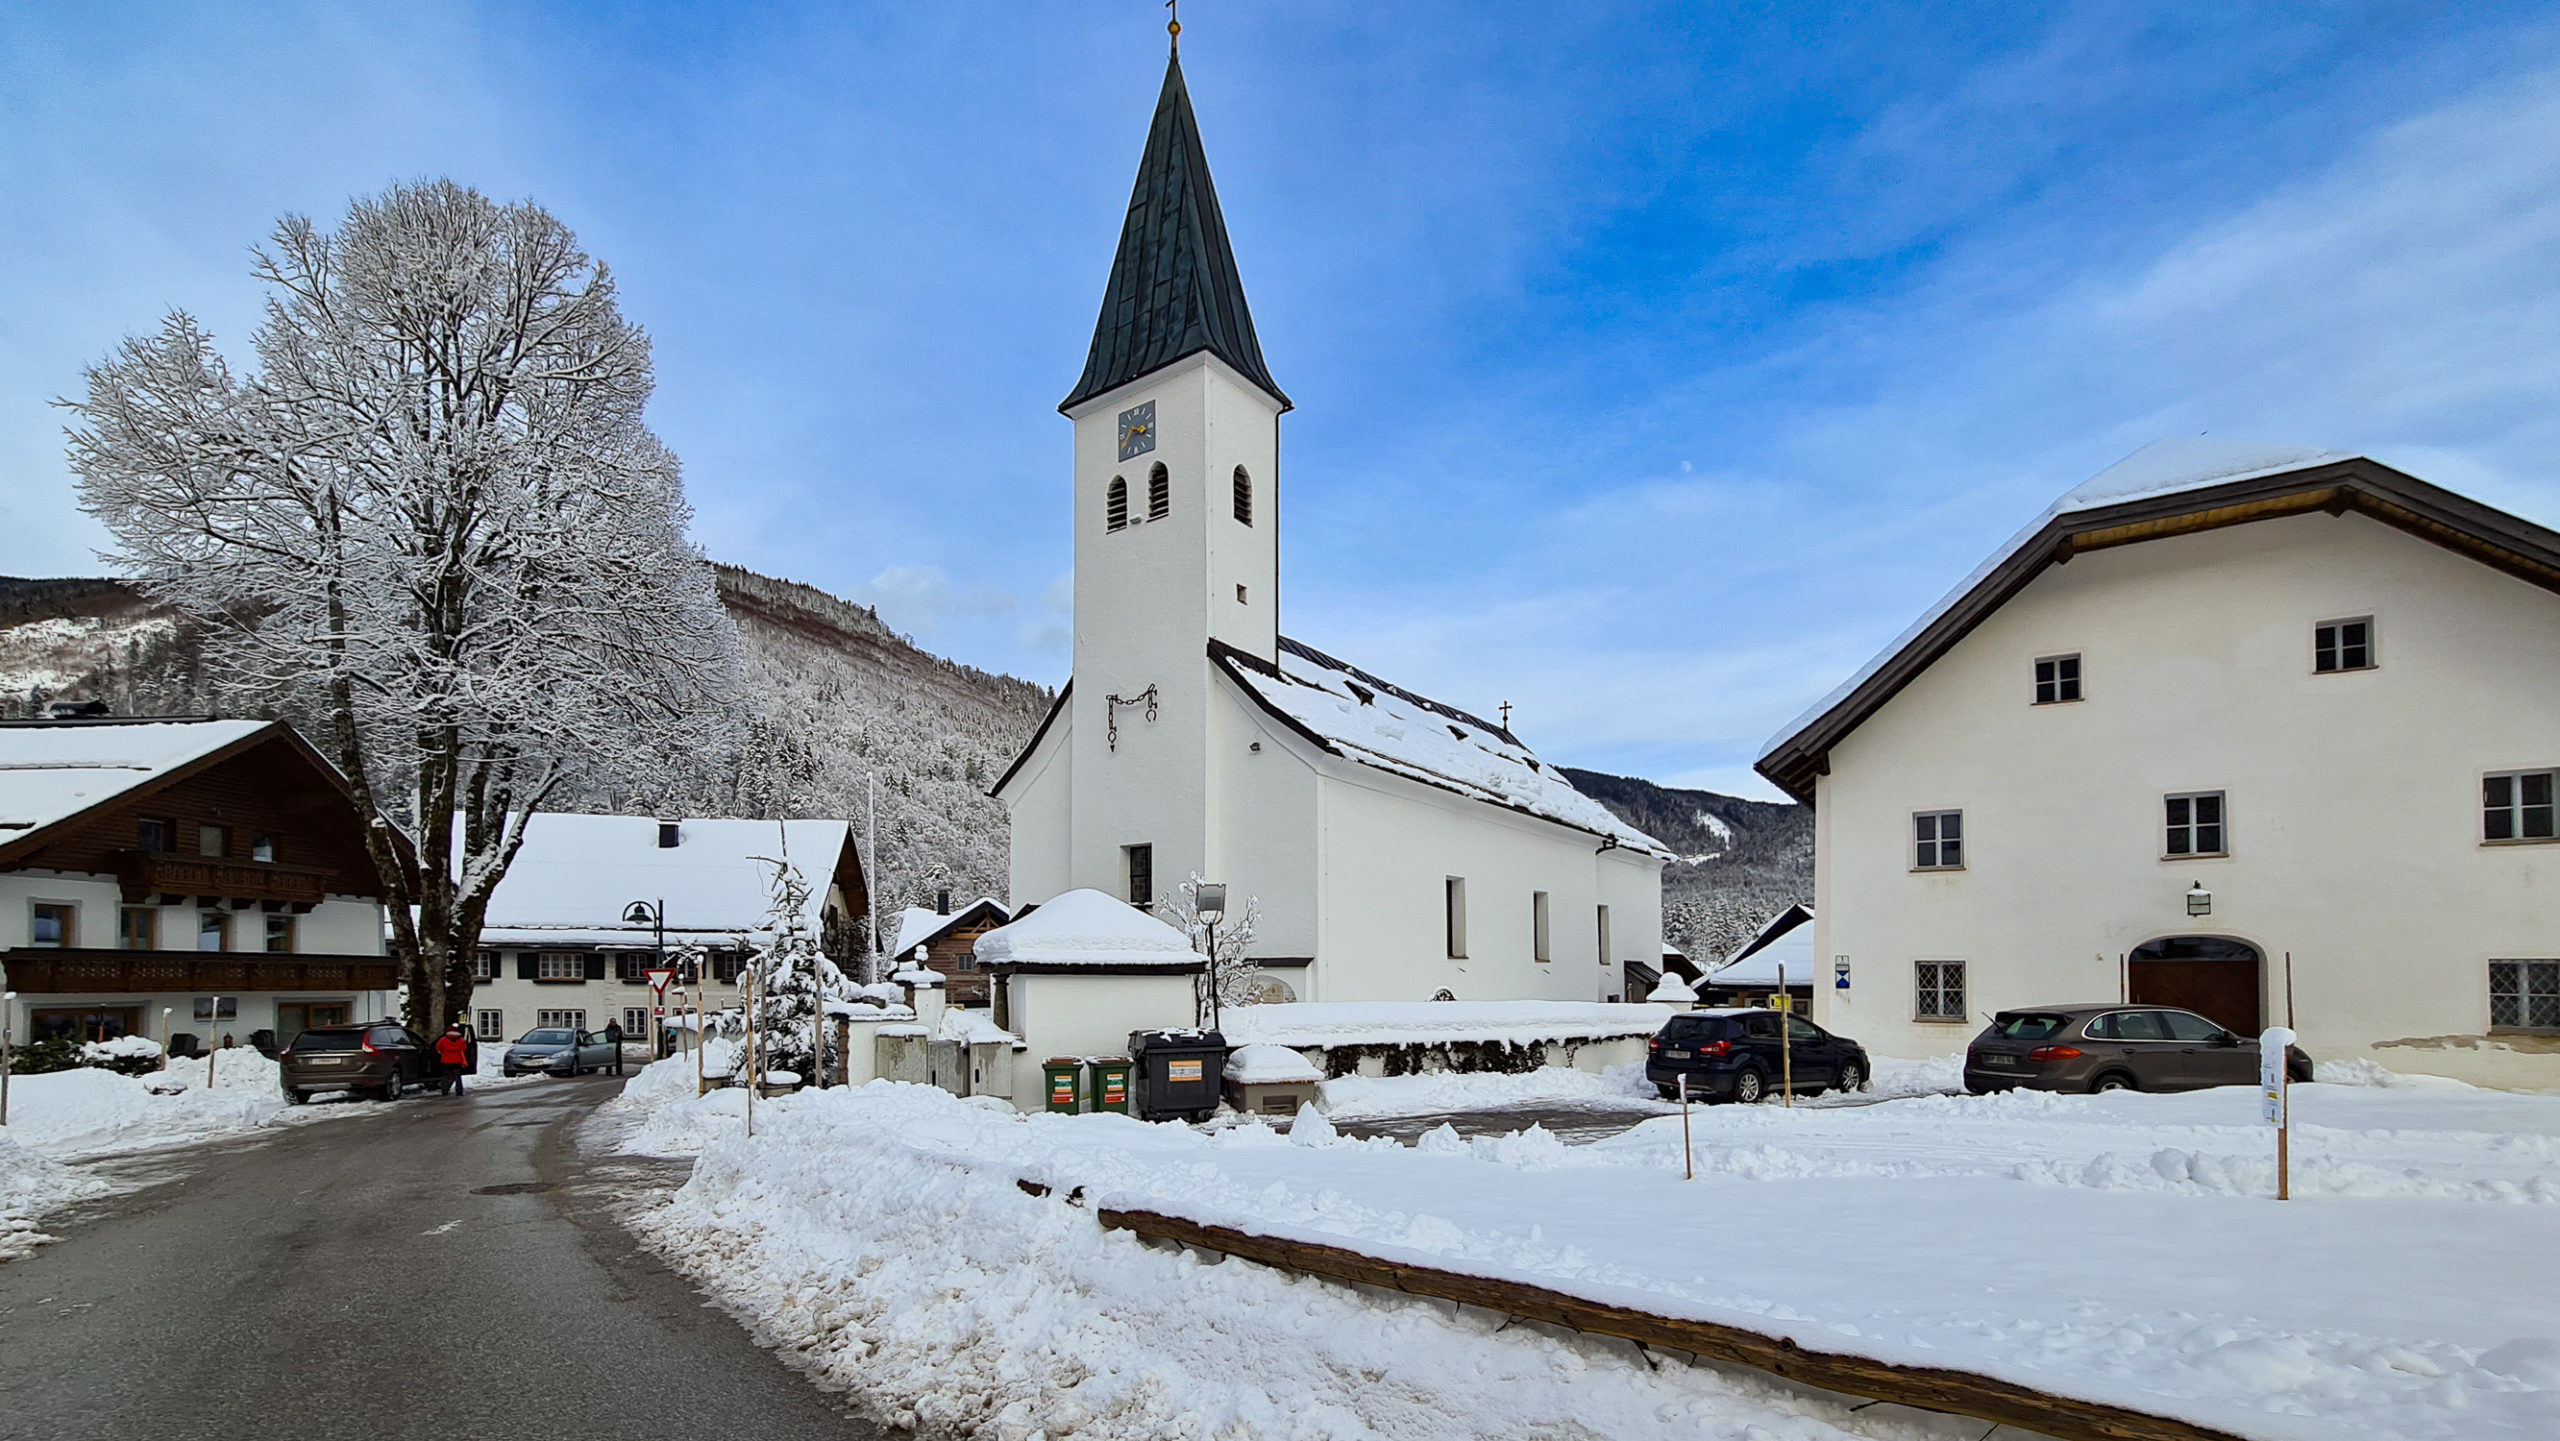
557 1051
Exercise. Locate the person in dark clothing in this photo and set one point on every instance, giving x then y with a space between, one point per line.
613 1038
453 1053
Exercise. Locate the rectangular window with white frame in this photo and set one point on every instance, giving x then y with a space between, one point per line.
491 1025
54 925
574 1020
1541 931
635 1022
484 965
560 966
2195 825
2524 996
2057 679
2517 805
1937 840
1453 904
1937 990
2338 645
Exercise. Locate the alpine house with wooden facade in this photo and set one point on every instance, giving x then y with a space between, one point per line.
195 878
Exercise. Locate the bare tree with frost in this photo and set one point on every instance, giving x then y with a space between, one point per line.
1233 972
433 528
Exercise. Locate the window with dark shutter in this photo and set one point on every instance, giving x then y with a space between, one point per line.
527 968
595 968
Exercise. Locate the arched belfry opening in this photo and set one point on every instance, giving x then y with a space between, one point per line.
2217 977
1244 496
1159 492
1115 505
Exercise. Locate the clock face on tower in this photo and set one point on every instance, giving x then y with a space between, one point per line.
1138 430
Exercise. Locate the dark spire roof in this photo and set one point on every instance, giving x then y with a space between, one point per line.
1174 290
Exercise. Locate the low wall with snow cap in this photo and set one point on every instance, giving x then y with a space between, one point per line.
1402 1038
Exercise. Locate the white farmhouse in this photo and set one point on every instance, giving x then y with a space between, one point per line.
1399 848
563 946
2266 733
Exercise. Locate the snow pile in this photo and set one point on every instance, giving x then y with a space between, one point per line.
1346 1098
121 1048
1895 1077
975 1028
1307 1024
235 1069
1087 928
663 1114
32 1183
1673 992
878 1239
1391 729
1262 1062
89 1112
2111 1248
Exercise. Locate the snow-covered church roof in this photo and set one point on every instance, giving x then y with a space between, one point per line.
576 874
2171 484
1362 718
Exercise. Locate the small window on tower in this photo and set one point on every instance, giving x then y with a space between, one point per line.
1115 505
1240 600
1159 493
1244 496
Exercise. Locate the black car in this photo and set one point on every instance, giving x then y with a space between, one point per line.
1736 1056
380 1060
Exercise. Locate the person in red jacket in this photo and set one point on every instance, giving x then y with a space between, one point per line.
453 1050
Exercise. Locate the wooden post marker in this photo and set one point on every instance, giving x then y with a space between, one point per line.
2275 1078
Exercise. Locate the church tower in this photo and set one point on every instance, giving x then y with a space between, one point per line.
1177 522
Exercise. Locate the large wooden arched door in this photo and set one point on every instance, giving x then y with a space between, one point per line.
2218 978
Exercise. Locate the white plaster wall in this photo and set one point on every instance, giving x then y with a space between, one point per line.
96 896
1040 804
1389 846
1263 824
1059 1015
338 926
2353 799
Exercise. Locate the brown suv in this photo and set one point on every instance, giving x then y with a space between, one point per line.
2113 1048
378 1060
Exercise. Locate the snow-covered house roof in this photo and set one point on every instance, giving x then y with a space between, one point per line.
52 772
1085 930
1784 939
2170 487
1353 714
577 874
920 925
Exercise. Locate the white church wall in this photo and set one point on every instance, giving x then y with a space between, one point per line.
1040 803
1630 885
1389 848
2353 799
1264 820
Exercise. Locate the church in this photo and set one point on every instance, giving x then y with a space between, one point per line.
1396 849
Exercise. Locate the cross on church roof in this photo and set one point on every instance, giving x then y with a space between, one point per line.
1174 290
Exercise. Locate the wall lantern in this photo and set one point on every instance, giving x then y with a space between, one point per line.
2199 900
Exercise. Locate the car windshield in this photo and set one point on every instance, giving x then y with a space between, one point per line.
1695 1028
544 1038
2028 1025
327 1041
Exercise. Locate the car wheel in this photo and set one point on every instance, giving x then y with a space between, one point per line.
2112 1081
390 1090
293 1097
507 1071
1750 1088
1851 1078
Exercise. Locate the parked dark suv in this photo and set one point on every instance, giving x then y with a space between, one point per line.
2113 1048
1734 1056
378 1059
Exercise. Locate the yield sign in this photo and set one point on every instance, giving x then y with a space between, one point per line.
658 979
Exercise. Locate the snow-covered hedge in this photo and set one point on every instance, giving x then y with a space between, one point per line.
1411 1038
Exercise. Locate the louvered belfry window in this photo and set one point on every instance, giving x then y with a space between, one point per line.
1115 505
1244 496
1159 493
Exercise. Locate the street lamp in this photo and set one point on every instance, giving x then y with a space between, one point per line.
642 913
2199 900
1210 901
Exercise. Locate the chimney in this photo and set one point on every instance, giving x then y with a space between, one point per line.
942 904
669 832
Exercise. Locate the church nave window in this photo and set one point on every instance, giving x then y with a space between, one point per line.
1244 496
1159 493
1142 875
1115 505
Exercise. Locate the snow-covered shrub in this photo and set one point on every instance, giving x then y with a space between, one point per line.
124 1055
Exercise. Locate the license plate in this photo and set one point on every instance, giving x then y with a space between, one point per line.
1677 1055
1999 1060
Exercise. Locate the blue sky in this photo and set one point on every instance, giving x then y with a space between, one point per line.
1655 363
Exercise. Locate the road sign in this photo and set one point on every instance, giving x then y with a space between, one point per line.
1840 972
658 979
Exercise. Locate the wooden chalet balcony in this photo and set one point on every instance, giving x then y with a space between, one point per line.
35 970
145 874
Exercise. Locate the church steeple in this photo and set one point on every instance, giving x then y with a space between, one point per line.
1174 289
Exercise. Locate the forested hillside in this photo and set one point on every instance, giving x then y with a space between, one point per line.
1741 862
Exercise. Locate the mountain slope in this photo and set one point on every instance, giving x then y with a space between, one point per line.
1742 861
